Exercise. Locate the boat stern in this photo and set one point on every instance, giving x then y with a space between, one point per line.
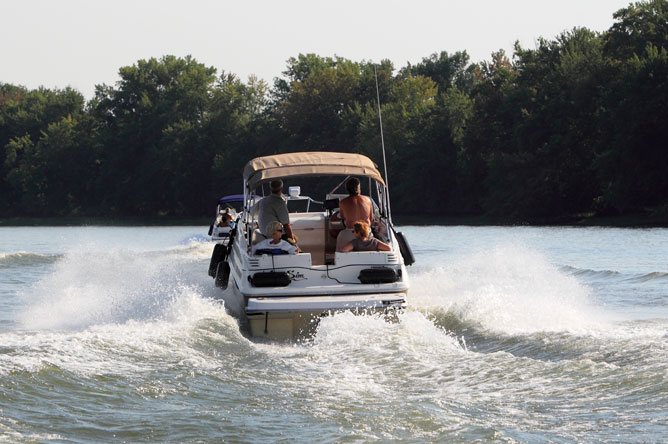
281 318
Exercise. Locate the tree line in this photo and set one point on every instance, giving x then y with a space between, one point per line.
575 126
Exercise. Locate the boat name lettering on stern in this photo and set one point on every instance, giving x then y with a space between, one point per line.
295 275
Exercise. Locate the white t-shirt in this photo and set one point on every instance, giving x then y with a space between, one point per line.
281 245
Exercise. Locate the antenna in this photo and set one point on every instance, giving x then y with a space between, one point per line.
382 144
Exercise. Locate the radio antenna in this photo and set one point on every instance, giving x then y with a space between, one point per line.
382 144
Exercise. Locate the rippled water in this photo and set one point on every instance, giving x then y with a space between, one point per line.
513 335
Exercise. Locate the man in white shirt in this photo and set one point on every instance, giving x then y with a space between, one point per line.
275 245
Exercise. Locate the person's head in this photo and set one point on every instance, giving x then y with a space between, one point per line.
362 229
276 186
275 230
227 210
353 186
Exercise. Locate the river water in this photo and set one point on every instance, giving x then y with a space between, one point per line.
514 334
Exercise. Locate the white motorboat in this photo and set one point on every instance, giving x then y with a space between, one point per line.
282 296
226 215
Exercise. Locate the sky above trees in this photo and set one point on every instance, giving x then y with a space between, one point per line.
572 128
81 43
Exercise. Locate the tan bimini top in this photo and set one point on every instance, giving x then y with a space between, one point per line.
262 169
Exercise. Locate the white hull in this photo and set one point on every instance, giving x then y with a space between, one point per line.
221 234
280 318
313 291
288 317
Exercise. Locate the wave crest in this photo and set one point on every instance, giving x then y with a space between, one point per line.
24 258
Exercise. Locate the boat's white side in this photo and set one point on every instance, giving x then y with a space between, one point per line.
220 234
319 283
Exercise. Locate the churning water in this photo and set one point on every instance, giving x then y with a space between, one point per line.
512 335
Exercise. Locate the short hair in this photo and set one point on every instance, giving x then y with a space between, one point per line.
362 227
353 185
272 227
276 185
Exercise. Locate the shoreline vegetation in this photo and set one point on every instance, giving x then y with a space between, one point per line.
571 132
626 221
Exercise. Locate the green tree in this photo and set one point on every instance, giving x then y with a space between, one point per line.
488 136
319 105
25 119
634 155
637 26
238 128
406 122
446 70
555 139
151 97
54 175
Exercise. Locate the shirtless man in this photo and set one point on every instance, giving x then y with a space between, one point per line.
352 209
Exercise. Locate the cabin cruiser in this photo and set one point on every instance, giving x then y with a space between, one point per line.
283 296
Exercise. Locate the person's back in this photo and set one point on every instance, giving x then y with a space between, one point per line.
355 208
273 208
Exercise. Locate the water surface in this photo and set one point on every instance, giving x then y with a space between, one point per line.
113 334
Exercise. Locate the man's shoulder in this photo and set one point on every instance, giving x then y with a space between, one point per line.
270 200
366 200
352 199
273 198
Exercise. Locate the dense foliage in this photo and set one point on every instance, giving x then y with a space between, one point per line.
575 126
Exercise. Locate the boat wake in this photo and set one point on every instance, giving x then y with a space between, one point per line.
121 312
90 287
139 315
507 289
